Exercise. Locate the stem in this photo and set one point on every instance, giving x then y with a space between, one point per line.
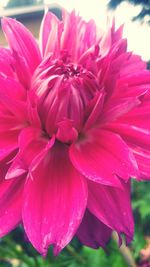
125 252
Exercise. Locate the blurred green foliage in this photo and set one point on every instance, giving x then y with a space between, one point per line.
16 251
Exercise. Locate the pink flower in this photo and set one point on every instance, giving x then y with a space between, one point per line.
74 129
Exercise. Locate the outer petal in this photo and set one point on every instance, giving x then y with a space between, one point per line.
92 232
5 63
134 128
12 97
22 42
60 194
50 33
12 88
142 156
13 115
137 78
31 144
112 206
8 143
92 155
117 108
10 204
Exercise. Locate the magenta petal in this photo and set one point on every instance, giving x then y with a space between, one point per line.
112 206
22 70
116 108
92 232
10 204
22 42
16 169
29 135
12 98
50 33
116 33
8 143
66 132
96 106
31 144
142 156
61 196
135 130
92 154
5 69
134 79
12 88
6 60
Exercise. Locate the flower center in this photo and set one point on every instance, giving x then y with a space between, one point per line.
69 70
64 90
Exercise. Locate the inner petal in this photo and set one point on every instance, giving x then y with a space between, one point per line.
63 91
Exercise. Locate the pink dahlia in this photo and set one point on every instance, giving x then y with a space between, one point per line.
74 130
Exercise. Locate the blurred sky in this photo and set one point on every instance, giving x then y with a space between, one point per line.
138 34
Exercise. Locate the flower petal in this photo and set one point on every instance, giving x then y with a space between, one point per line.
50 32
96 105
31 144
134 128
118 107
8 143
12 98
112 206
66 132
22 42
10 204
142 156
61 196
92 232
6 61
92 153
77 31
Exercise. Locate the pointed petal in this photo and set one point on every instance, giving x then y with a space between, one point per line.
134 79
50 32
134 128
5 69
22 70
6 60
96 105
92 154
33 115
12 88
8 143
77 31
6 57
92 232
12 96
10 204
112 206
132 134
61 197
142 156
115 108
116 33
31 144
22 41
